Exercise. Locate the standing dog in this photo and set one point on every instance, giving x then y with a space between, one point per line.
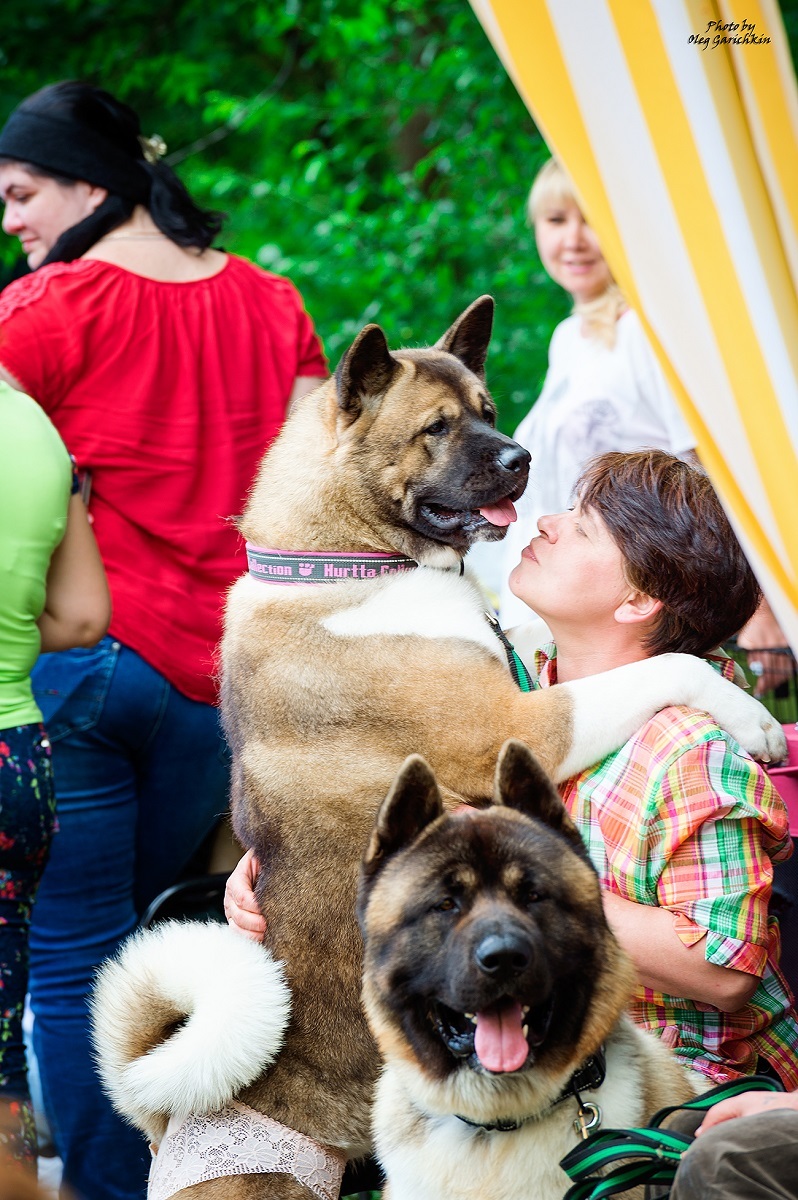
340 658
496 993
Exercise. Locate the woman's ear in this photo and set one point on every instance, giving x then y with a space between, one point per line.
637 608
95 196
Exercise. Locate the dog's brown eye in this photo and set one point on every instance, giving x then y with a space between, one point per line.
489 415
447 905
437 427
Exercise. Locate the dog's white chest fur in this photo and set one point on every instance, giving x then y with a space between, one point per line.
459 1163
429 1157
424 602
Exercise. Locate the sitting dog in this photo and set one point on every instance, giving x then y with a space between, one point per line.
354 641
496 993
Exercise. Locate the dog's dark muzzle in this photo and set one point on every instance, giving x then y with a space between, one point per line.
477 501
496 468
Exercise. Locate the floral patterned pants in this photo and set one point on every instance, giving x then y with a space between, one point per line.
27 820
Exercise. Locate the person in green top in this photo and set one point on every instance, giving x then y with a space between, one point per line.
53 595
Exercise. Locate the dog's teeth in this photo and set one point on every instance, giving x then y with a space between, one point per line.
525 1030
471 1017
525 1009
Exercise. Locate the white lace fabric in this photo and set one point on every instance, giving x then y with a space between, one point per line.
237 1140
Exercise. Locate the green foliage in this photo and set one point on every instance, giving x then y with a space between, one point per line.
373 150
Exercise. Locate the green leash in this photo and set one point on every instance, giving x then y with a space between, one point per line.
648 1155
520 675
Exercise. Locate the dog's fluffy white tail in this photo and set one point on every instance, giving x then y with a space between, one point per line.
185 1016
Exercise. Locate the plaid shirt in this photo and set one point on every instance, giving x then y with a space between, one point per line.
682 818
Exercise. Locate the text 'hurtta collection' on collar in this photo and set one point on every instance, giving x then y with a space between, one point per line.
324 566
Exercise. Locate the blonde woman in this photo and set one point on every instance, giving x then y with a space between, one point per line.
604 389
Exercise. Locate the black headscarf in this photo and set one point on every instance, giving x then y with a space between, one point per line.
68 148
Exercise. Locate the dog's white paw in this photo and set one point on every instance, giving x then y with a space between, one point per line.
695 683
761 734
750 724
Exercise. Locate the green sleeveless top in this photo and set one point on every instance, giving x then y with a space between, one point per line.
35 485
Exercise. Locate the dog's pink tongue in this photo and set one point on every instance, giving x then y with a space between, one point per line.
502 513
499 1040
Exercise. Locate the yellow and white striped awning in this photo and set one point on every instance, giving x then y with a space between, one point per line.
678 122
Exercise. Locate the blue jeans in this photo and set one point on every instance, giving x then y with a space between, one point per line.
141 777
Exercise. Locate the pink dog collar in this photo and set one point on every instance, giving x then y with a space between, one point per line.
326 566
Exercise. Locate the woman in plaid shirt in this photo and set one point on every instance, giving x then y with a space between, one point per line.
682 826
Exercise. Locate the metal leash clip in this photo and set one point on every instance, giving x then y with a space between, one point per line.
588 1118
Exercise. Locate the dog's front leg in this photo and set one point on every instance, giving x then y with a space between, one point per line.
607 709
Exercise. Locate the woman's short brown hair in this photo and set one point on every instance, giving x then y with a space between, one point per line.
678 546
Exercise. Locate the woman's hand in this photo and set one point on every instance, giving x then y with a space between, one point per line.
748 1104
240 906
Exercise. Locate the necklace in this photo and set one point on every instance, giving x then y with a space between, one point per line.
129 237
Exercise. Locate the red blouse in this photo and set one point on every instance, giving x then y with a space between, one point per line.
168 393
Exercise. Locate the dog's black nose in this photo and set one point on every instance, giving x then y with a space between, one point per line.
514 458
503 954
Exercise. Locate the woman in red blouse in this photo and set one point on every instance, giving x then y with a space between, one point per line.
167 366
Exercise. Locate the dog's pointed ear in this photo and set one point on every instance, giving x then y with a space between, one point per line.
521 783
468 339
365 372
412 804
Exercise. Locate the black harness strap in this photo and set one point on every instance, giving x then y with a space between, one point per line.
520 675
